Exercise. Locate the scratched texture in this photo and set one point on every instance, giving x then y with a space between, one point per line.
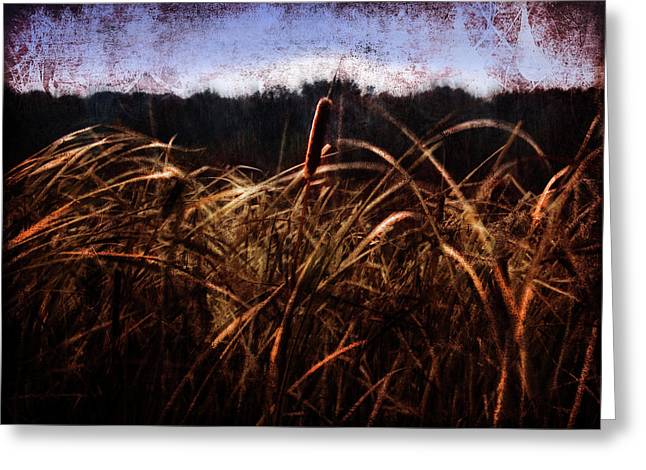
242 48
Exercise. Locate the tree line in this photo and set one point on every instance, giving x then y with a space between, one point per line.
269 130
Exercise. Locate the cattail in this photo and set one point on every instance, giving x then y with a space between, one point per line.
313 156
317 135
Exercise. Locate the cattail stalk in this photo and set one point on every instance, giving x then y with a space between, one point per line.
313 155
317 137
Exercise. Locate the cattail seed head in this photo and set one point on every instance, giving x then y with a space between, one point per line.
317 136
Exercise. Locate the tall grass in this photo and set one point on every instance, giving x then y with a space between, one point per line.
142 288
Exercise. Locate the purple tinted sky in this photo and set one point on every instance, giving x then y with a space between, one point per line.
234 48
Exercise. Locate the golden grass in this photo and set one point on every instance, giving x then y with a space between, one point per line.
386 302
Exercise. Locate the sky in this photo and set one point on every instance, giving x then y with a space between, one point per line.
235 49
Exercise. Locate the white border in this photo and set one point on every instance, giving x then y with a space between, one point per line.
607 330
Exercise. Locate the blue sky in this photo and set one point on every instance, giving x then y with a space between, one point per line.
236 49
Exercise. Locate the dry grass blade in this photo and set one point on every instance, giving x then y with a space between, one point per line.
353 409
383 390
244 318
38 227
331 357
542 200
377 233
488 123
583 378
482 293
153 261
502 386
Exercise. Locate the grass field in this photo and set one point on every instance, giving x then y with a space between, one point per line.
375 289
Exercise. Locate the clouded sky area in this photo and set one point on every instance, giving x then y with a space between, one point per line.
243 48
